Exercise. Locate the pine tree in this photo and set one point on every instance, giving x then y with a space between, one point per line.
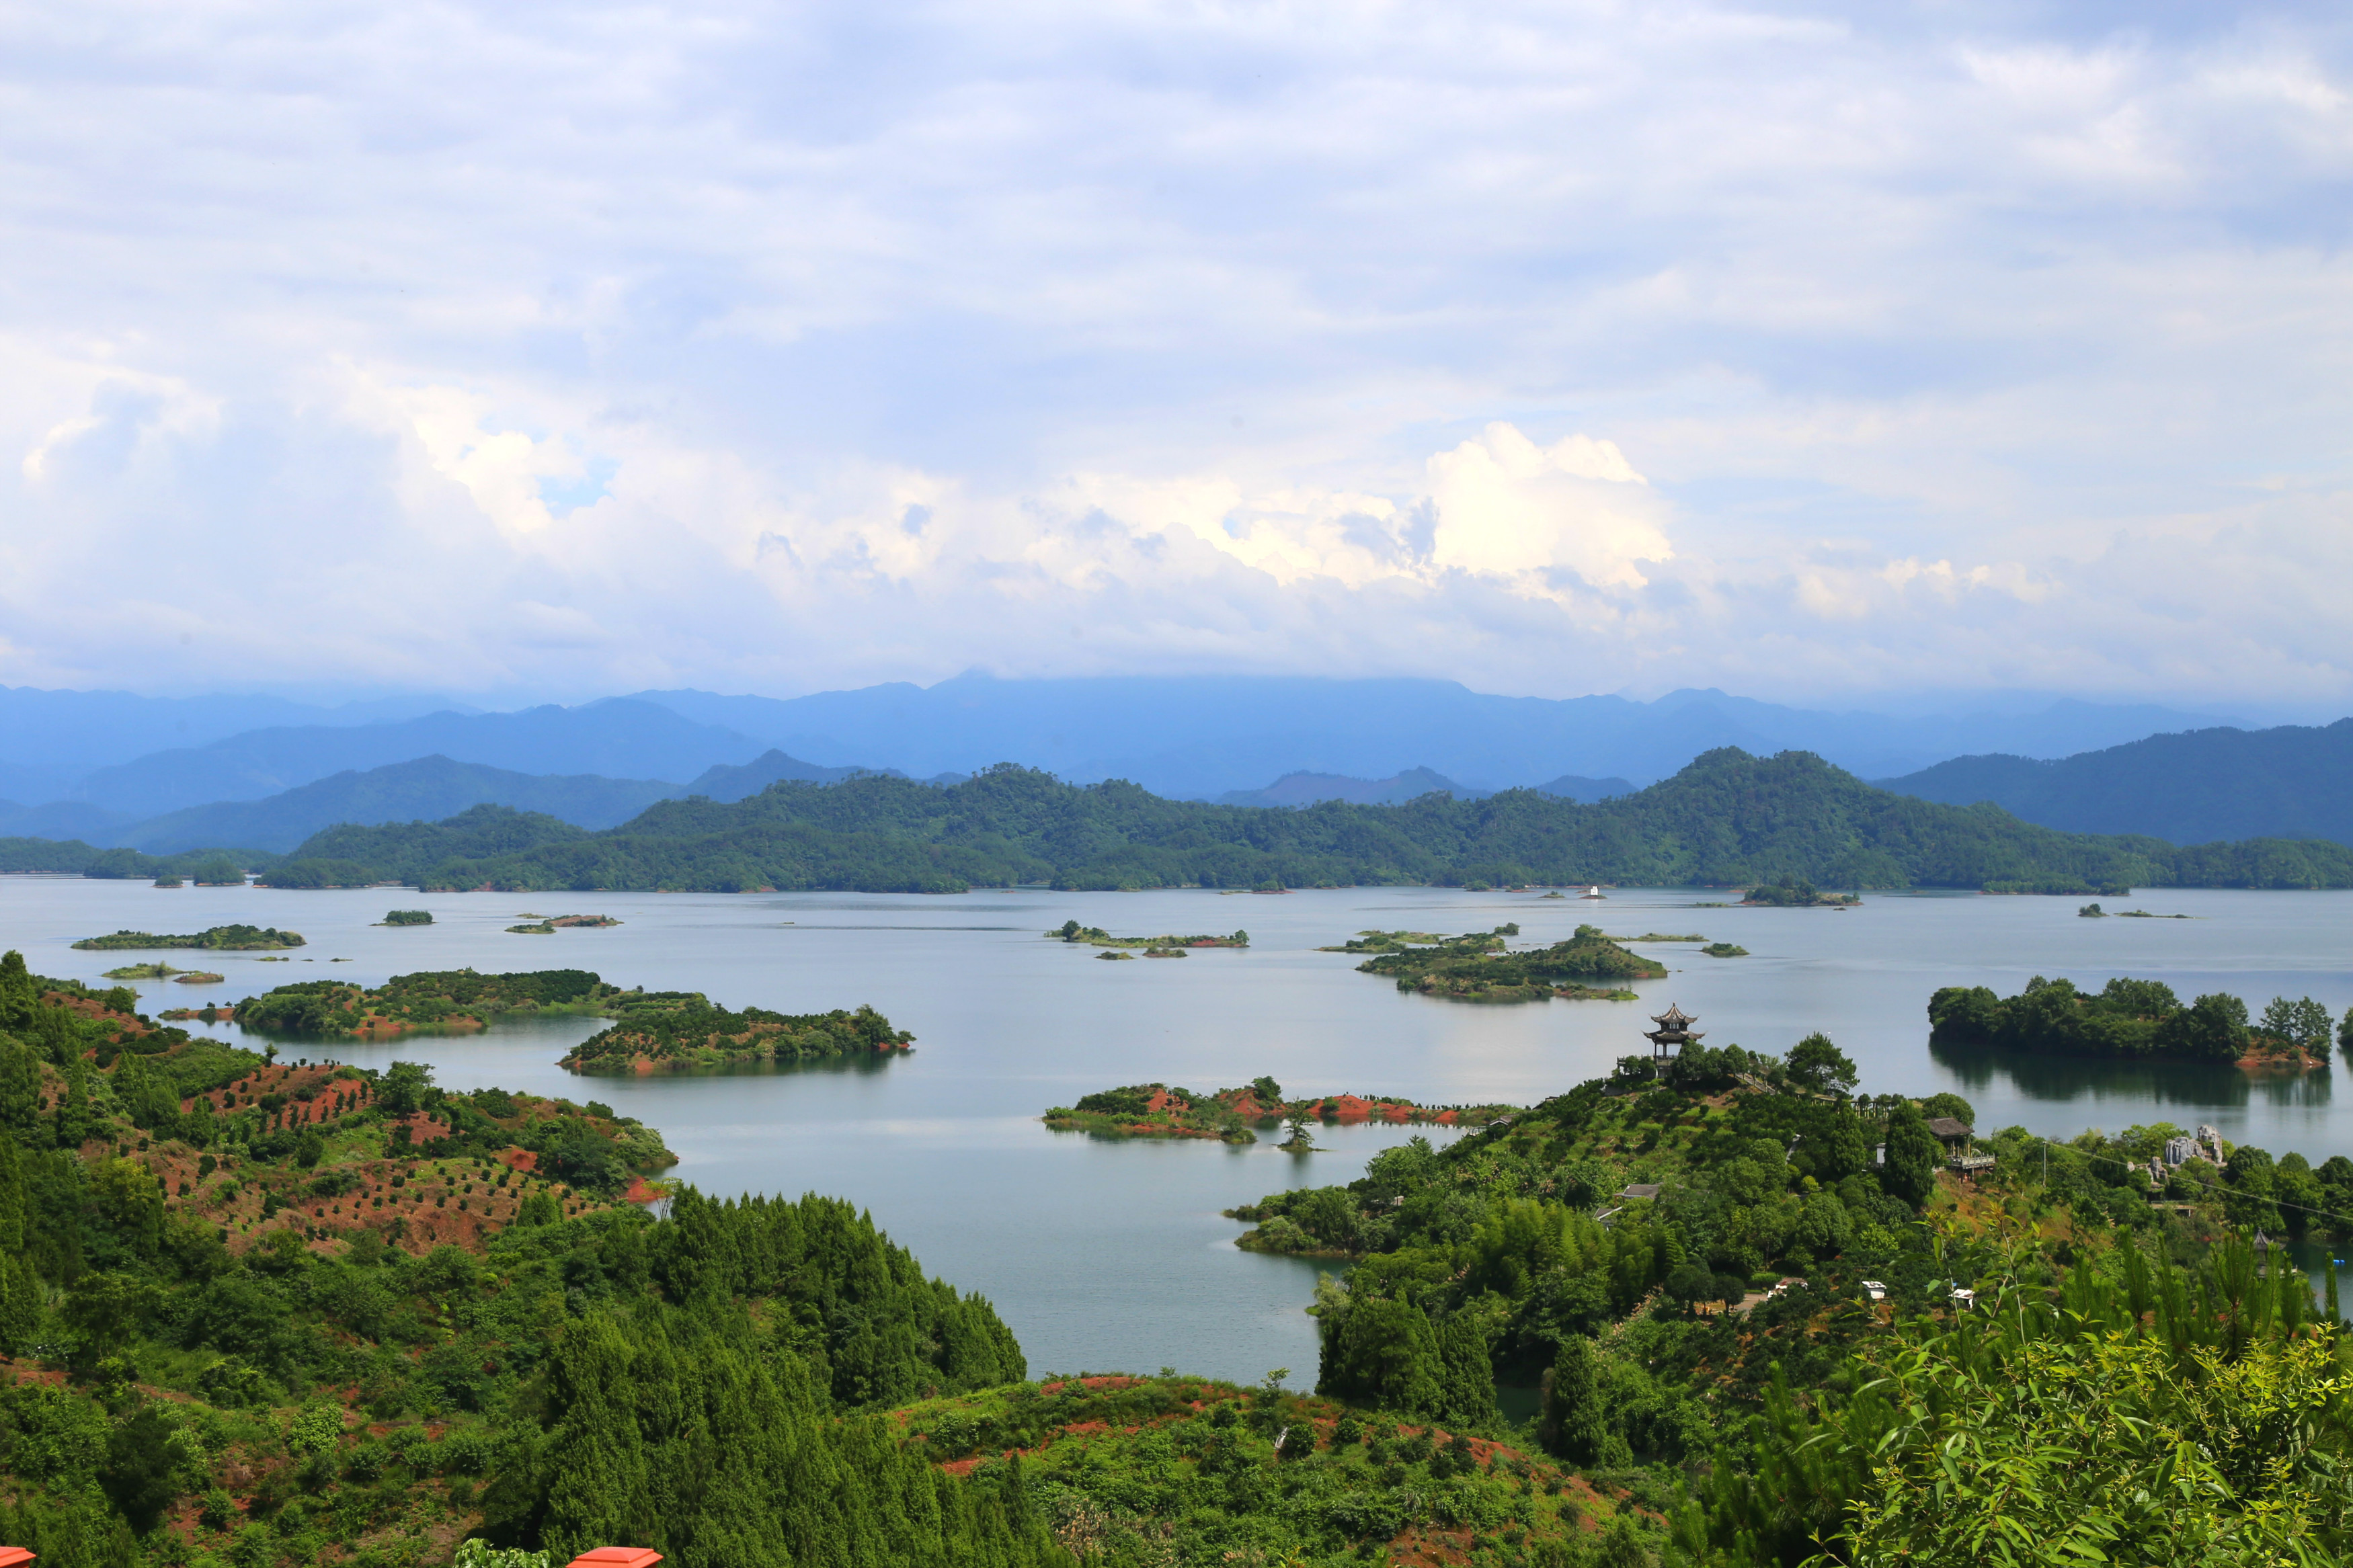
1910 1172
1573 1415
17 995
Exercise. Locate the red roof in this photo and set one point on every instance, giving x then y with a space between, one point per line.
608 1557
11 1556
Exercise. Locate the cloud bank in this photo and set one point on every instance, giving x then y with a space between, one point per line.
1810 351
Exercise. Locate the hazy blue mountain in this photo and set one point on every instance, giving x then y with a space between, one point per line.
60 819
1569 786
427 789
48 738
617 738
728 781
2294 782
1306 789
1203 736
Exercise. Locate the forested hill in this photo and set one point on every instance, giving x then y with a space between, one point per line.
2292 782
1729 818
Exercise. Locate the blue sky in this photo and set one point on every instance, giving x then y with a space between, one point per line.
1818 352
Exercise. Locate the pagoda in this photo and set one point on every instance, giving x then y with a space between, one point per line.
1674 1028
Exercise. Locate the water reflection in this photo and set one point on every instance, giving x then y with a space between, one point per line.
2196 1086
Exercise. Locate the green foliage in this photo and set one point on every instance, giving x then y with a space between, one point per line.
2125 1018
2135 1414
408 917
1818 1067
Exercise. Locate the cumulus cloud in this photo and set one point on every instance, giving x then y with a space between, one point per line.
1807 349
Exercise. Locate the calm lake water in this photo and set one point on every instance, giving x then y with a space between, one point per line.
1113 1255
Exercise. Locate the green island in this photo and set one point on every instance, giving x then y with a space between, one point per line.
1095 936
213 939
1724 950
1660 936
1727 820
168 881
406 918
674 1032
264 1314
1796 895
1477 967
197 977
2146 915
448 1001
1162 1111
157 971
2132 1018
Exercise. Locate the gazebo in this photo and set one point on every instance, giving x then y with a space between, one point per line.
1674 1028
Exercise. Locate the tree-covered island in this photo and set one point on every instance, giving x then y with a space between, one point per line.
447 1001
2132 1018
1478 966
1095 936
1161 1111
672 1034
213 939
1796 894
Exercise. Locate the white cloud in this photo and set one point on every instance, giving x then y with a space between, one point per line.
511 349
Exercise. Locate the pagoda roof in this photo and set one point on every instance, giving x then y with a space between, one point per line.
1674 1018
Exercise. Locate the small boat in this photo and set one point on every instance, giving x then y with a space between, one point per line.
1593 893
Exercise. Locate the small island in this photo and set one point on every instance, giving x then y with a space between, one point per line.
1724 950
548 925
2139 1019
1798 895
197 977
456 1001
1478 967
144 972
406 918
215 939
1095 936
673 1032
1162 1111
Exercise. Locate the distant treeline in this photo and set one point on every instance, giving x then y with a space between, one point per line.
2132 1018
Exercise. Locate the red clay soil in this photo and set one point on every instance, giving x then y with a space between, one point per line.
87 1008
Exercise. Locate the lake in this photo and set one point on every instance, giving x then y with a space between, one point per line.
1113 1255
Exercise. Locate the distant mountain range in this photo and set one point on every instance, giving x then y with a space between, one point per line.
74 758
1200 737
2293 782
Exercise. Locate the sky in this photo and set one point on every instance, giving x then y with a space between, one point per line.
1819 353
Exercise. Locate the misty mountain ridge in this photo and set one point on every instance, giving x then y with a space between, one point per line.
1181 737
1306 789
2195 787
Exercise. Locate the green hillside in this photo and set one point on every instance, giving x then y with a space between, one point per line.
1727 819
